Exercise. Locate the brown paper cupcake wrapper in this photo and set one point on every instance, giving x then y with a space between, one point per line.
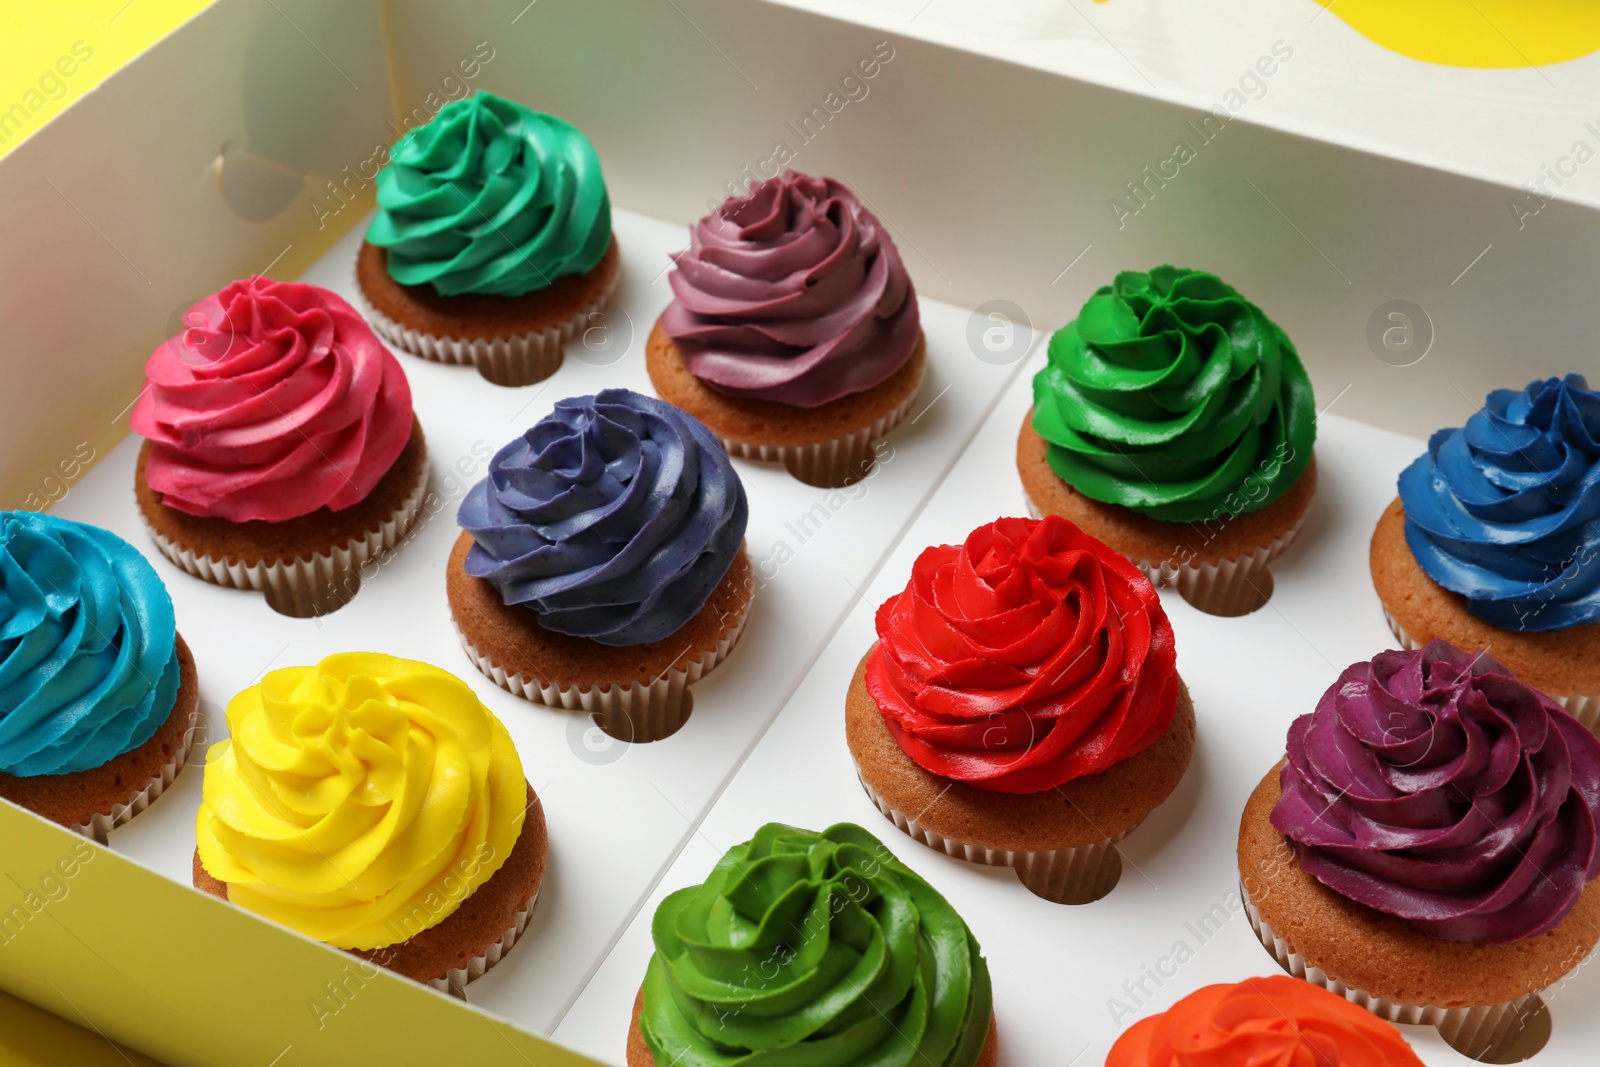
303 588
99 827
1226 588
455 980
1585 707
1470 1031
833 463
640 712
521 359
1063 876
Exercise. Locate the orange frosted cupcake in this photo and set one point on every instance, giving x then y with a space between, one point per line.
1262 1022
416 842
1022 706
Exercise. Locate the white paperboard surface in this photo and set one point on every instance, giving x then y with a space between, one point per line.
617 813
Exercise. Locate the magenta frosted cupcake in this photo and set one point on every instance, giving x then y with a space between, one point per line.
794 332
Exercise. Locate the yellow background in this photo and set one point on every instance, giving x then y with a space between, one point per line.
39 32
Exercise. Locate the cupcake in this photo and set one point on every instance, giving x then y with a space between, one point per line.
97 691
1262 1022
280 453
375 804
1022 705
819 949
602 564
1427 848
1494 538
793 332
1174 422
492 242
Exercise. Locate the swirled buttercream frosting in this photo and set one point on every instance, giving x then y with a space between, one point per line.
807 949
1506 509
1173 395
1434 787
88 649
613 518
360 800
793 293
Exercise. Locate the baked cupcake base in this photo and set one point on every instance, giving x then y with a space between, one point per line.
306 566
96 801
510 340
1220 566
1563 663
639 1054
828 446
474 937
1061 843
637 694
1475 994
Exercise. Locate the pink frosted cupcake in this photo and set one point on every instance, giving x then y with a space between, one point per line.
794 332
281 451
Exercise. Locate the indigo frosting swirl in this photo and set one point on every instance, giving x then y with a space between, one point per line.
809 949
1435 787
1028 656
793 293
491 198
1263 1022
1506 509
1173 395
276 400
88 649
613 518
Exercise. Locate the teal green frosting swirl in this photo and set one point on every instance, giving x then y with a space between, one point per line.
814 950
491 198
1173 395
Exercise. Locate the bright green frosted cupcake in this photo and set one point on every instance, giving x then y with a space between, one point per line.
492 243
1175 422
812 950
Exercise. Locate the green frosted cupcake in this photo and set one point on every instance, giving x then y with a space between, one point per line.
1175 422
807 949
492 243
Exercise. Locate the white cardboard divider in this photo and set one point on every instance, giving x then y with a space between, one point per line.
1068 979
617 813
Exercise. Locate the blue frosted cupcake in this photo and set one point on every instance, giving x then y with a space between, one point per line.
97 690
1494 540
602 562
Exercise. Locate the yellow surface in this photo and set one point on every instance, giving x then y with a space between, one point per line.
54 51
32 1037
1477 33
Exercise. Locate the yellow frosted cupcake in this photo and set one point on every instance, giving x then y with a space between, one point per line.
374 803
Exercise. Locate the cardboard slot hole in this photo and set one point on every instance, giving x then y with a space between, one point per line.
1524 1035
1242 596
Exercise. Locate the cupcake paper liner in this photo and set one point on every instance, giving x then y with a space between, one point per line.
522 359
301 587
1063 876
1470 1031
1584 707
833 463
455 980
1226 588
640 712
99 827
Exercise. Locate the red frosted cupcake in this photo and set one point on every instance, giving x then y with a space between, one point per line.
1022 706
282 453
1262 1022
